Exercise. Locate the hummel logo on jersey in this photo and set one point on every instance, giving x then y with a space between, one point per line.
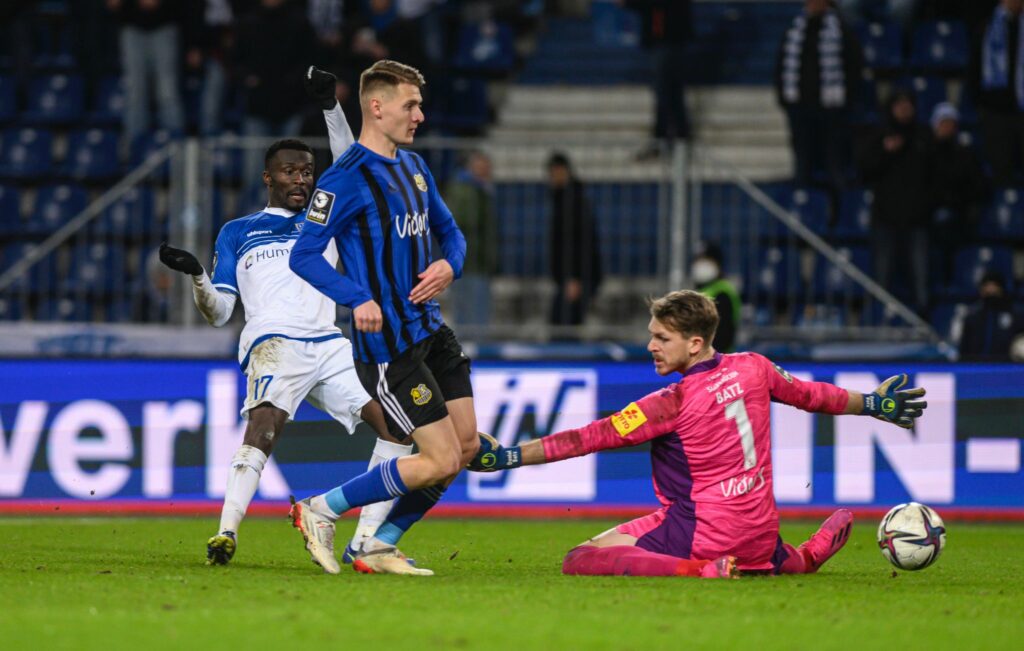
254 233
412 225
320 207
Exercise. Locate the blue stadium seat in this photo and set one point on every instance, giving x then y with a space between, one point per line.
96 269
10 211
108 102
883 45
615 26
8 98
26 154
939 46
972 262
775 272
485 47
943 316
810 206
64 309
227 164
92 155
55 99
1004 219
55 205
627 224
522 228
465 104
830 280
149 143
928 91
854 223
129 218
10 307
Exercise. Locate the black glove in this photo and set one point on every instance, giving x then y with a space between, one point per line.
320 86
891 402
180 260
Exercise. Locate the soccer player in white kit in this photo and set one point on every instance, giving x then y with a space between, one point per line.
290 348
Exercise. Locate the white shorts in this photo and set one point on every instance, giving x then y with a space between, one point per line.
284 372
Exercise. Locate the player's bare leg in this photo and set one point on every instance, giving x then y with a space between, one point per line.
613 553
266 422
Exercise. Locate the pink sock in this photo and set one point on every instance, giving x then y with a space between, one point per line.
625 560
795 563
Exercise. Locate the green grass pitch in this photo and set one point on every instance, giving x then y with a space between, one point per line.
111 583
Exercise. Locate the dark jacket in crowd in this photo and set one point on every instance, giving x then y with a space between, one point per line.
958 182
989 328
273 46
998 100
899 179
130 14
575 250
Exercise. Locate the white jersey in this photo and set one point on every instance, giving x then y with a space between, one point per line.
251 261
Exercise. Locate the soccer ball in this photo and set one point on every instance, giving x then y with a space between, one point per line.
911 536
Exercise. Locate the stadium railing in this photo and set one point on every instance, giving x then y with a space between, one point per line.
803 275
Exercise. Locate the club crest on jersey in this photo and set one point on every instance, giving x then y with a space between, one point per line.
785 374
421 183
421 395
629 419
320 207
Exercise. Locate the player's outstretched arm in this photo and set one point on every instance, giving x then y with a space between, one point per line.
320 86
650 417
214 305
890 402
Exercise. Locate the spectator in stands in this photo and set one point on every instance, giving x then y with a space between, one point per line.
150 54
995 79
209 37
958 188
817 76
894 164
385 34
470 196
706 271
574 247
992 324
667 30
273 49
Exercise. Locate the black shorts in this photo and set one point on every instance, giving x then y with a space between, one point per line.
413 388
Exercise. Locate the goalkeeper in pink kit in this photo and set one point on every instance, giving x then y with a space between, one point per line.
710 438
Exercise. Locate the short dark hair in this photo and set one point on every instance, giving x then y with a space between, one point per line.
287 143
559 159
687 312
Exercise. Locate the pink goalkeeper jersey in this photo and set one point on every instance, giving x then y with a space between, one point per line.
710 440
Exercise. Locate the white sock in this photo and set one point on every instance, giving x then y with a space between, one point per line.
244 478
372 515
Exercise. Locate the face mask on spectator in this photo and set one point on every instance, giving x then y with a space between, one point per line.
703 271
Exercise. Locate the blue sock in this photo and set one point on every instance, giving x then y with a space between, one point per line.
408 511
382 482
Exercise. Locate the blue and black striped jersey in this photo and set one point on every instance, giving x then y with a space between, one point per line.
382 212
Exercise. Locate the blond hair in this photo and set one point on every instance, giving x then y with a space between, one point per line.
687 312
388 74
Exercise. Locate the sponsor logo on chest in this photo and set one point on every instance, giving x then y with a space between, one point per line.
412 225
263 255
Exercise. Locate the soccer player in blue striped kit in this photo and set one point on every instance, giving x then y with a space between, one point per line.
381 205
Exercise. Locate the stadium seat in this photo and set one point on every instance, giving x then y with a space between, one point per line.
939 47
8 98
96 269
1003 221
829 280
883 47
63 309
108 102
522 224
227 164
92 155
55 206
943 317
485 47
150 143
55 99
465 104
928 91
26 154
615 26
810 206
972 262
10 211
775 272
627 224
10 308
129 218
854 223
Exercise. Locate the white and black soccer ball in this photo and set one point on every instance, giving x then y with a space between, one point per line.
911 536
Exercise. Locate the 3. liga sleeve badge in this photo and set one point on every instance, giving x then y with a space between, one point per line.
320 207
